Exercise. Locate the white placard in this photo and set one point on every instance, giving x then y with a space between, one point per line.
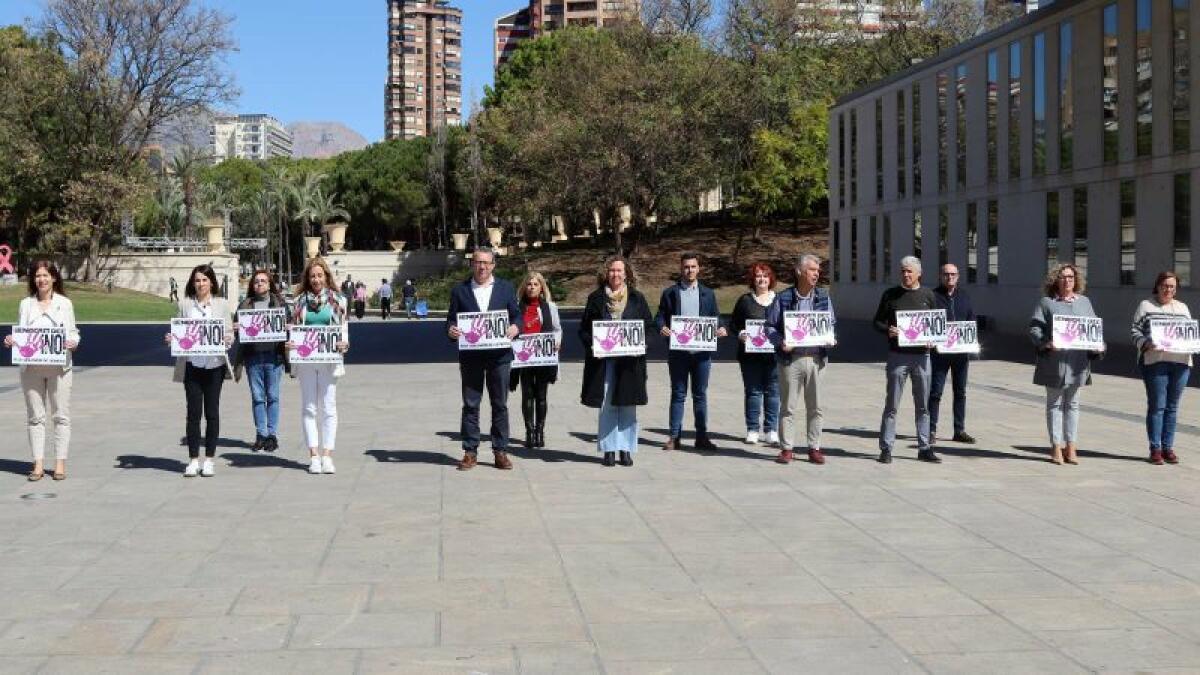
1078 332
262 325
315 344
1178 336
197 337
756 338
808 329
535 349
618 338
962 337
921 327
694 333
39 346
483 330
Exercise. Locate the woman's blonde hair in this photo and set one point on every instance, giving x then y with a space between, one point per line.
1050 285
535 276
330 282
630 274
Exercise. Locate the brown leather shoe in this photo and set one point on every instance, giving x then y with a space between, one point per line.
672 444
469 460
1170 456
815 456
785 456
502 460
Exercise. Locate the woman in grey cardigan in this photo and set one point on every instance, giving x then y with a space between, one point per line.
1062 372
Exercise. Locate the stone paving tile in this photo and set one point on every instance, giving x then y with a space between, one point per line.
281 600
128 664
1001 663
661 640
503 626
683 668
963 634
796 621
833 655
20 665
128 603
72 636
1127 649
244 633
361 631
300 662
449 660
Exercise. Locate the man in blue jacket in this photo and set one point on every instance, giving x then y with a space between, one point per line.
689 297
950 297
483 292
800 368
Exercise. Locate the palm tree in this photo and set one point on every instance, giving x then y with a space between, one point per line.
279 189
304 192
186 165
322 209
168 202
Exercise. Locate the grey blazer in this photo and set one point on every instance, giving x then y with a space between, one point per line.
1059 368
220 309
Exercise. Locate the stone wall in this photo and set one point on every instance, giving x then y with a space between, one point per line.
152 272
371 266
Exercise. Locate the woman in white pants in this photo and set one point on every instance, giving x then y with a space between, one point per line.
47 387
318 304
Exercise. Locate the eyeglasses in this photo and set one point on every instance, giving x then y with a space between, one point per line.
483 263
949 274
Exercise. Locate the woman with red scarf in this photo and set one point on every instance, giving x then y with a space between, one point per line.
538 315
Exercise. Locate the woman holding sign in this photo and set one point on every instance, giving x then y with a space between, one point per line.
1062 368
264 361
616 384
203 375
46 387
538 315
318 304
1165 368
756 355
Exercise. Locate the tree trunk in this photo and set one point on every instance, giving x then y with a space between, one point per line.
92 271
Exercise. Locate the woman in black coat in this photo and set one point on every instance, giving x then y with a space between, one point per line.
615 385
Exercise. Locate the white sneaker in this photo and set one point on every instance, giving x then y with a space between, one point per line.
327 464
772 438
206 469
192 469
752 437
314 464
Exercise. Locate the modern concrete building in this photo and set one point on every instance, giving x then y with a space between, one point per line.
1069 134
424 85
509 31
248 137
542 16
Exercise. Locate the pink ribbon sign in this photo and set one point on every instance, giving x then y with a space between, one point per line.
6 266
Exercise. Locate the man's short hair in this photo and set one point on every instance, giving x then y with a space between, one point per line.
911 261
807 258
689 255
485 249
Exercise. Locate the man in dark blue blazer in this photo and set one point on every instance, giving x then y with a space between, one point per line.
483 292
689 297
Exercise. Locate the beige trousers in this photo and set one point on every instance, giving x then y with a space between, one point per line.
47 388
800 380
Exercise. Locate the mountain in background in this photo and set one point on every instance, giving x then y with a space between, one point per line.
324 139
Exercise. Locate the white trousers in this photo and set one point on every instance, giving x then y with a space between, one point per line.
318 396
47 388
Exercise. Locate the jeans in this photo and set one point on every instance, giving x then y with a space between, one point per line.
1062 414
410 305
202 387
1165 382
476 373
264 371
685 366
800 380
760 378
956 366
900 366
618 430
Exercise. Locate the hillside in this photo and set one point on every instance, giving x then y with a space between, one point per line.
323 139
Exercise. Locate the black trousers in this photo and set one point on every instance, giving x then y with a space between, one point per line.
203 389
478 372
535 383
385 307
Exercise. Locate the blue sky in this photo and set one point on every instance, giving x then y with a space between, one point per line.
317 60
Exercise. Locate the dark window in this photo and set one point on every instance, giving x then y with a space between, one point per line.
1145 76
1128 232
900 143
1080 255
992 105
1014 110
1051 229
993 241
916 139
943 83
1039 104
1183 228
972 243
1109 88
1181 98
960 124
1066 99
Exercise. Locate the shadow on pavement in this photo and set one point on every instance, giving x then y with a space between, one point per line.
412 457
1044 451
143 462
15 466
840 452
552 455
970 452
221 443
243 460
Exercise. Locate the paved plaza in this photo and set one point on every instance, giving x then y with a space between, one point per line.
725 563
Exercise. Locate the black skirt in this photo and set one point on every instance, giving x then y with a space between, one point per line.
539 374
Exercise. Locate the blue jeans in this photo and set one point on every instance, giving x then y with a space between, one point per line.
956 366
264 370
618 430
685 366
760 378
1165 382
410 305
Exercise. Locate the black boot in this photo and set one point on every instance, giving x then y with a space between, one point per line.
610 459
271 444
530 438
626 459
539 436
260 443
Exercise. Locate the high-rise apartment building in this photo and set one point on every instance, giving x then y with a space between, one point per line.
510 30
424 85
542 16
248 137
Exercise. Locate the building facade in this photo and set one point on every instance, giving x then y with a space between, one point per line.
542 16
509 31
424 84
1068 135
248 137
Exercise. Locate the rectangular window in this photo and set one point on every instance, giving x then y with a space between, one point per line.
1066 99
887 247
993 241
1110 79
916 139
1128 232
1144 97
1080 253
1051 229
878 150
1181 98
916 233
853 157
873 259
1014 110
841 141
853 250
960 124
943 82
972 244
900 161
1039 104
992 104
943 233
1183 228
835 263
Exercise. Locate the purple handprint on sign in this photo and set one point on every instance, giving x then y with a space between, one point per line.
191 337
309 345
32 346
913 331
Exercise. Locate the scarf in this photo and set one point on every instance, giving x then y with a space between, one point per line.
616 301
315 302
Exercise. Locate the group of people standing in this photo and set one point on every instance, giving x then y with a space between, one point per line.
775 384
356 297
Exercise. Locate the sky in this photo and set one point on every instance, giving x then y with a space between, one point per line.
321 60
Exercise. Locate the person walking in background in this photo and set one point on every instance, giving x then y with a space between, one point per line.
385 299
1165 373
47 389
410 298
688 297
954 299
1061 371
360 300
484 367
801 369
539 314
905 362
615 385
264 364
760 380
318 304
174 296
347 290
203 376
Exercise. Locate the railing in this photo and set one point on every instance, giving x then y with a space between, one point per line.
179 244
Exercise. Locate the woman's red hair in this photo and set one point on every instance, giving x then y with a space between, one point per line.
755 269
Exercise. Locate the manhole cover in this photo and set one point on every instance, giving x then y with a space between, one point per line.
39 495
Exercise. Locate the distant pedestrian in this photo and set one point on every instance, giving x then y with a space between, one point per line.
174 296
410 298
385 299
347 290
264 364
1165 373
539 314
360 300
